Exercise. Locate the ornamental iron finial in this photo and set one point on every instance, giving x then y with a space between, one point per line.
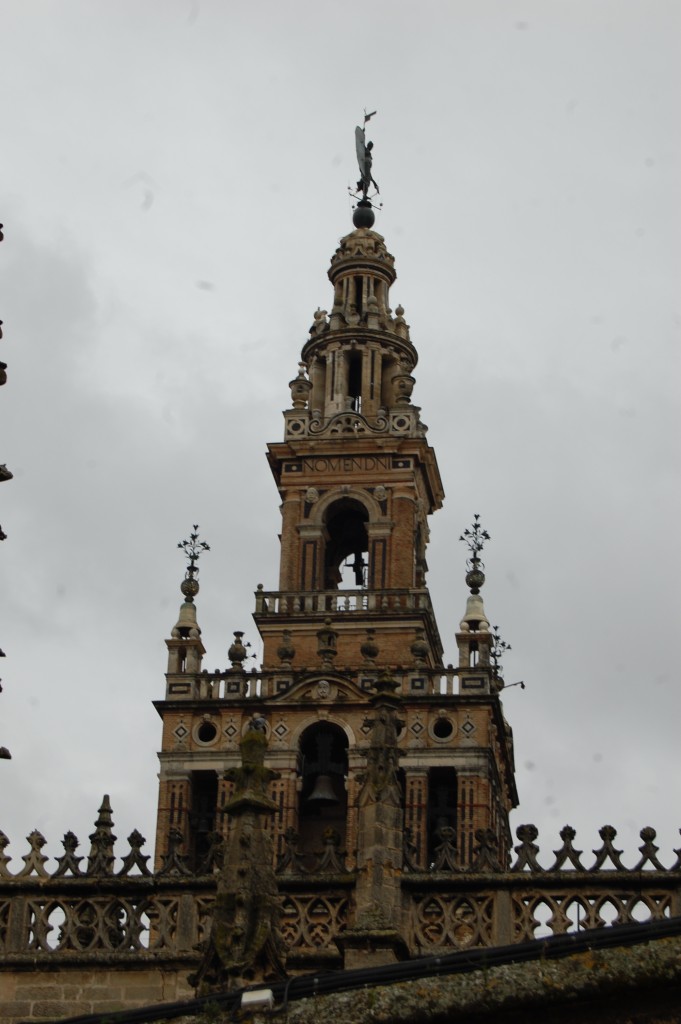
475 538
192 551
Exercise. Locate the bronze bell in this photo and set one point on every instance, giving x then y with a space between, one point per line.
323 792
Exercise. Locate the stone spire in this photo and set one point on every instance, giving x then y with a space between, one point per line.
474 537
375 937
474 638
101 858
245 945
185 649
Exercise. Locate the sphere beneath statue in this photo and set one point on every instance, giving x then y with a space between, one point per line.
190 588
363 215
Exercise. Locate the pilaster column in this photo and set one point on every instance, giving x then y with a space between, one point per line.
174 804
290 514
402 542
311 557
473 812
379 569
416 814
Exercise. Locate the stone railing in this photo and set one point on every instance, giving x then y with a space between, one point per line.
75 912
332 602
237 683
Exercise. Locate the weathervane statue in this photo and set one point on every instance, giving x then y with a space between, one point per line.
363 217
364 158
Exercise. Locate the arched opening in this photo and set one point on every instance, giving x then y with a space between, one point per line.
355 381
346 560
204 799
442 801
323 799
358 282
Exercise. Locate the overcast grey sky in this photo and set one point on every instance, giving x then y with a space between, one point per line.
173 185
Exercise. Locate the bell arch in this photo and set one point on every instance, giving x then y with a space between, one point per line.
346 537
442 807
322 774
358 494
345 518
311 720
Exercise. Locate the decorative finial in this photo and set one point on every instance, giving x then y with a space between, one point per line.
237 652
364 217
192 550
475 538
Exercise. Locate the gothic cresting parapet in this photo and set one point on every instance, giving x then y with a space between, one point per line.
60 918
53 916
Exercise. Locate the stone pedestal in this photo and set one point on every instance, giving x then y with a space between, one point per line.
371 947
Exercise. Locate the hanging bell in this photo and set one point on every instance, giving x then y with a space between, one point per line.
323 791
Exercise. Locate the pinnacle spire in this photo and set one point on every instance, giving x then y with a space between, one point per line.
474 537
187 625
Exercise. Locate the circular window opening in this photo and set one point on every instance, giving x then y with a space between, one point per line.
206 732
443 729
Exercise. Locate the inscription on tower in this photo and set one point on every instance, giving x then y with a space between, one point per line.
345 464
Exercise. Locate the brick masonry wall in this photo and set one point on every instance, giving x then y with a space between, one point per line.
67 991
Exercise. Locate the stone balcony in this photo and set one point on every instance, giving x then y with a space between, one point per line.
342 602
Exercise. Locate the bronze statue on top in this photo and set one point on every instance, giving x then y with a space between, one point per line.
364 159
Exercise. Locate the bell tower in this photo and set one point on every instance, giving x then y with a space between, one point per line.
351 646
356 476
